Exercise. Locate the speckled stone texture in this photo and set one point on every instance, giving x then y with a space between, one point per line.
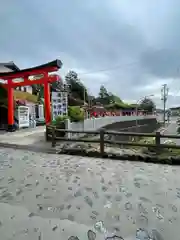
45 196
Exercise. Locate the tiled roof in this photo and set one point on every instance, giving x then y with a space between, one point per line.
11 65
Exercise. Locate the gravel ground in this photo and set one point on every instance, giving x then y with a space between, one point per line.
45 196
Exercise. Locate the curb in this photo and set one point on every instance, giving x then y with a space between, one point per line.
132 158
28 148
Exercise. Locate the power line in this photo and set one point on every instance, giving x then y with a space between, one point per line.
108 69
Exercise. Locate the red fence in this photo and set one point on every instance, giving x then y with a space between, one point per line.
117 113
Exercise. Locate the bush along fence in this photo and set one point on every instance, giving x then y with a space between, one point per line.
167 152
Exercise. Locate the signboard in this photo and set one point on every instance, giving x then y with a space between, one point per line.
17 80
35 77
59 104
23 116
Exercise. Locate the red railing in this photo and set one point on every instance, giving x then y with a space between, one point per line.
117 113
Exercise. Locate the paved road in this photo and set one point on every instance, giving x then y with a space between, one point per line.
55 196
172 129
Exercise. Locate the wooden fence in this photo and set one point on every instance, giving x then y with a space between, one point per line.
53 134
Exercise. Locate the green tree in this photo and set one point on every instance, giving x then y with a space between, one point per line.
103 97
57 85
36 89
103 93
75 86
147 105
107 98
114 99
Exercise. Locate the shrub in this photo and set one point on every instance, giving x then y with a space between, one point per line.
169 142
59 121
76 114
146 140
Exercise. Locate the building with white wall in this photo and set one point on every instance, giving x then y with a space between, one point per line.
25 89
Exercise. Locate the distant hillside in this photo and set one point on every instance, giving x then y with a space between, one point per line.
175 108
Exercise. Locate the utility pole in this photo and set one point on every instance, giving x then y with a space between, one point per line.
164 97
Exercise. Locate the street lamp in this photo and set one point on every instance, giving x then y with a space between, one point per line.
142 98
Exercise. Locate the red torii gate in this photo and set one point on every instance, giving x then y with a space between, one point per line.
19 78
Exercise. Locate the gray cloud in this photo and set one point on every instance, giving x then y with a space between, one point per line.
162 63
141 37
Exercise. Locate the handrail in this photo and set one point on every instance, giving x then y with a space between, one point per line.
52 132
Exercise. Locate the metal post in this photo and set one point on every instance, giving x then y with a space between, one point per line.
164 96
136 116
164 109
84 96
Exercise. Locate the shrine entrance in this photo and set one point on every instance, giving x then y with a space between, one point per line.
28 77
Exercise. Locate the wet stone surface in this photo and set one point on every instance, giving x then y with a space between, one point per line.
45 196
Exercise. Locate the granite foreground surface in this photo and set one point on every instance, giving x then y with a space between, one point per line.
49 196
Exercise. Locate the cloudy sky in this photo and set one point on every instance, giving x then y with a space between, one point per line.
137 42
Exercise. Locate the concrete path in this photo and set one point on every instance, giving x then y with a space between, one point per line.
171 129
25 135
32 139
50 196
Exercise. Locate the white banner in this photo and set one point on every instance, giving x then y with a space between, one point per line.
59 104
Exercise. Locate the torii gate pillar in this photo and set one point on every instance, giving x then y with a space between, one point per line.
47 102
10 109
